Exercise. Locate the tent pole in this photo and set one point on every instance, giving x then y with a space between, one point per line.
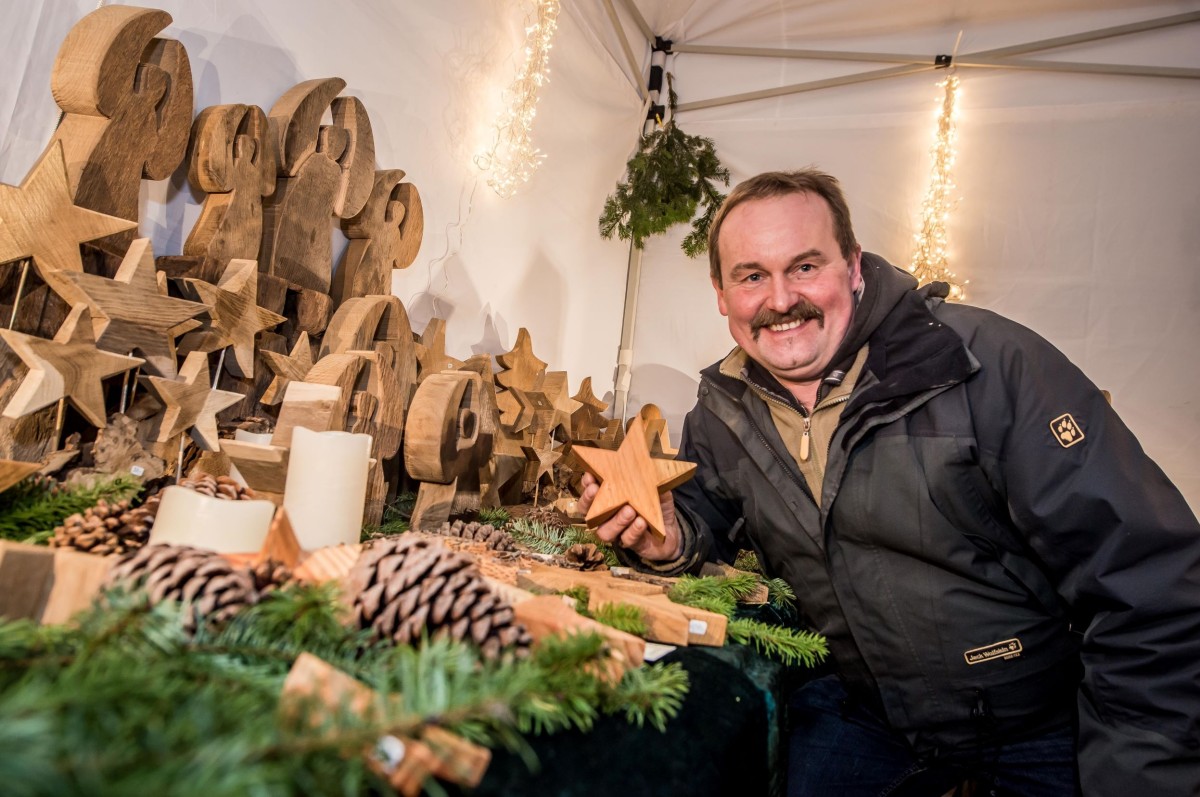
638 19
1091 36
634 68
816 55
1074 66
633 282
813 85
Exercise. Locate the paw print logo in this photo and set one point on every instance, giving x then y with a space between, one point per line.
1066 431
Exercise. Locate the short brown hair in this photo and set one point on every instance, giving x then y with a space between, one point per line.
771 184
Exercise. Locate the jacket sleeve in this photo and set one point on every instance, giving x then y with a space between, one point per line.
1121 547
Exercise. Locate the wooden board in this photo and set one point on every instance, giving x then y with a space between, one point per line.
558 579
13 472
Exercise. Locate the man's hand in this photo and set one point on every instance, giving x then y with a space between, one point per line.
629 530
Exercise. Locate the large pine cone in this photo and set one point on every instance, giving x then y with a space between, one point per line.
204 579
494 538
407 586
103 529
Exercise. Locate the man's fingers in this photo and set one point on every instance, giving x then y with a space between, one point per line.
588 494
633 533
614 527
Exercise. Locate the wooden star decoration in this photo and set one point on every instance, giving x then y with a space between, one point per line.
516 410
69 366
287 368
431 352
552 387
523 368
542 461
587 421
129 312
630 476
191 402
236 316
39 220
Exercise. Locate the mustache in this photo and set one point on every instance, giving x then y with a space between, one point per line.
802 310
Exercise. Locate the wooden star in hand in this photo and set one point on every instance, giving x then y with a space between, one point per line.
129 312
69 366
236 316
287 368
630 476
39 220
191 402
523 367
431 352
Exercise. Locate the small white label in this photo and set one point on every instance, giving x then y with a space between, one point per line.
697 627
656 650
137 470
389 751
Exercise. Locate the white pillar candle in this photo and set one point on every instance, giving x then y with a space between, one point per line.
327 486
186 517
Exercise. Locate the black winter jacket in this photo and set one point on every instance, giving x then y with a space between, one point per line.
992 546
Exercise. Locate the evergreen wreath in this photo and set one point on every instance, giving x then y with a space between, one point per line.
666 181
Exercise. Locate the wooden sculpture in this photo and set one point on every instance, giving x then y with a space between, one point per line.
587 421
655 429
126 99
69 366
233 163
550 394
441 431
191 403
287 368
38 219
129 312
380 324
236 316
516 409
431 354
522 367
384 235
502 468
323 171
630 476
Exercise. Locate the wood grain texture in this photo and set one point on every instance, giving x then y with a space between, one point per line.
587 421
378 323
69 366
281 544
431 355
313 406
521 366
291 367
440 435
13 472
235 315
39 219
190 403
548 616
264 467
385 235
232 161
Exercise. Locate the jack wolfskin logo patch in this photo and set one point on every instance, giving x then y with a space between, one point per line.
1066 431
1008 649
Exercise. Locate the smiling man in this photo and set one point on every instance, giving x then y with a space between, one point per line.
1010 587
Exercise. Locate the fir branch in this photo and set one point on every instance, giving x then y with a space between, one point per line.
651 694
30 511
780 593
714 593
789 645
541 538
496 516
622 617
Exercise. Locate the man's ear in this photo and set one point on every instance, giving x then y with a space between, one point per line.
720 297
856 280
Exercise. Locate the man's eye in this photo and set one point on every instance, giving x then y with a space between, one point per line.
754 278
805 267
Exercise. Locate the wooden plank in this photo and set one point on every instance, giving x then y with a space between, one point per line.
26 577
78 579
559 579
665 621
549 615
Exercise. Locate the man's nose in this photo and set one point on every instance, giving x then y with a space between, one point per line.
782 297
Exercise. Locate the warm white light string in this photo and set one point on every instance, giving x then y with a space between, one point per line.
513 158
930 261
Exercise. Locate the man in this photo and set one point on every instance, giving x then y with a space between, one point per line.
1009 586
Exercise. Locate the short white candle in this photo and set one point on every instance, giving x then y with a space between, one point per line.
327 486
187 517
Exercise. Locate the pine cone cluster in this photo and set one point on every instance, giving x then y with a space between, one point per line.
107 528
218 487
586 556
494 538
548 516
214 590
408 586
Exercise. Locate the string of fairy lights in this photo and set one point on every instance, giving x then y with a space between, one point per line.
513 157
930 261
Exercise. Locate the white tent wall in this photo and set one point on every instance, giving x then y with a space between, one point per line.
431 76
1079 193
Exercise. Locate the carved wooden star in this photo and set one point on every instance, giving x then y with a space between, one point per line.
542 460
191 402
552 386
431 352
68 366
516 410
586 422
523 367
129 312
630 476
287 368
236 316
39 220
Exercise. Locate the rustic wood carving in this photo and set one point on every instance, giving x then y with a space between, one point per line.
630 476
439 435
587 421
236 316
323 171
287 368
126 98
431 354
551 393
384 235
264 467
38 219
378 323
129 313
516 409
522 367
69 366
233 162
506 461
191 403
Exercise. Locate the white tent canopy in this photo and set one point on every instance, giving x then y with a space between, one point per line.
1079 192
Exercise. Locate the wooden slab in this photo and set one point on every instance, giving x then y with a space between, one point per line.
13 472
558 579
327 564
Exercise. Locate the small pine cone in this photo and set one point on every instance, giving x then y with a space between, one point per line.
214 590
218 487
494 538
587 556
548 516
140 519
100 530
270 574
408 586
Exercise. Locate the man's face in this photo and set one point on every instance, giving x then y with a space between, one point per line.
786 289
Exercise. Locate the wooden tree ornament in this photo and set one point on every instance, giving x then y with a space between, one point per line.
323 171
442 429
38 219
384 235
630 476
190 403
69 366
233 162
236 316
127 105
129 312
587 421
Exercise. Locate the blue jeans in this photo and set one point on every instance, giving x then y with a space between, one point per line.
841 748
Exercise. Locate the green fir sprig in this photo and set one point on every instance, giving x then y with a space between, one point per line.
542 538
495 515
621 616
29 511
789 645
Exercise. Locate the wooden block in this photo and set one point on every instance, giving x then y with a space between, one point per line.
313 406
264 467
455 759
665 621
549 615
281 544
26 577
559 579
78 579
327 564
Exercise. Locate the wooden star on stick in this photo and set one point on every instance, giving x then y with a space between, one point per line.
39 220
191 402
523 368
129 312
630 476
431 353
287 368
69 366
236 316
